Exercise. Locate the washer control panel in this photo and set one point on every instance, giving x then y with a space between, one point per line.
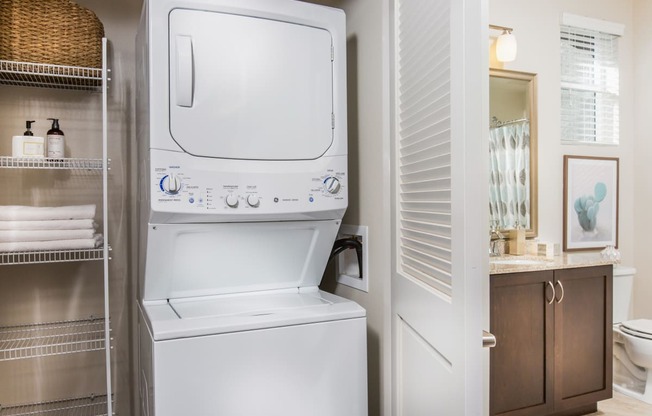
189 189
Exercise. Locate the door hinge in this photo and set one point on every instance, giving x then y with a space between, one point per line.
332 121
332 53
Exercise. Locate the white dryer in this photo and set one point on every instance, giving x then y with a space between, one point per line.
241 122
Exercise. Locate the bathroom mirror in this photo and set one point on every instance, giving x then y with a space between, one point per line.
513 150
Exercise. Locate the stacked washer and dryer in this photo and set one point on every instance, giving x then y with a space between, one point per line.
241 122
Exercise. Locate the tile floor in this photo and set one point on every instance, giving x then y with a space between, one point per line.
621 405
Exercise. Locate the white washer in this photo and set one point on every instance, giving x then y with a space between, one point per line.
241 121
256 339
264 354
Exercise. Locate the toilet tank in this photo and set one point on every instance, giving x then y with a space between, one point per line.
622 292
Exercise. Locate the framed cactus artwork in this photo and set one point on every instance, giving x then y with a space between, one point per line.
590 202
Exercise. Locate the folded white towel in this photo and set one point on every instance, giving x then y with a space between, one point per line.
76 244
27 213
11 236
48 225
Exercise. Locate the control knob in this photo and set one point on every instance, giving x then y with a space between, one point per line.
253 200
171 184
231 200
332 185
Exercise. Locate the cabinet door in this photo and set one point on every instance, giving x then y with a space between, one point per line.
521 363
583 336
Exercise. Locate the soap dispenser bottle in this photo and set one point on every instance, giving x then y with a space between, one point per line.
27 145
56 140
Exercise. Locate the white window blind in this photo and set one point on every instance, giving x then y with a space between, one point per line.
589 86
424 142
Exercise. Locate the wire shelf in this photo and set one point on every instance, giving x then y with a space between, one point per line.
54 338
51 256
29 74
43 163
82 406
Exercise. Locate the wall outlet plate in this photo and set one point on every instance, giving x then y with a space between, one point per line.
348 272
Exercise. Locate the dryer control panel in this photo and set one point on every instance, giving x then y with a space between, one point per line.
190 185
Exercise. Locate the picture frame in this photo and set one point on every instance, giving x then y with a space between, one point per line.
590 202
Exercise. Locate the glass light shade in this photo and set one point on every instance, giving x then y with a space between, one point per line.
506 47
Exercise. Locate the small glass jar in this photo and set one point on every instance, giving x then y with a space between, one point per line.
611 253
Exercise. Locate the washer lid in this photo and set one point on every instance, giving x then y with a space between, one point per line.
203 260
183 318
641 328
247 305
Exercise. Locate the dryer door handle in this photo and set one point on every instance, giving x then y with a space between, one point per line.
185 71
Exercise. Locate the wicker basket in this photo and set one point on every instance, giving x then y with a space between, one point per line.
57 32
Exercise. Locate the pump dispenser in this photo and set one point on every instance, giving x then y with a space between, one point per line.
56 140
27 145
28 124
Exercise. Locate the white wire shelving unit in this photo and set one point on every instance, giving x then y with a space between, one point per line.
38 340
82 406
51 256
29 74
44 163
52 338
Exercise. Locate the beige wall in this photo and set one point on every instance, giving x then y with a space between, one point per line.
642 157
536 27
368 168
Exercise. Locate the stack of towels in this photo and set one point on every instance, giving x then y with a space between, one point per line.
24 228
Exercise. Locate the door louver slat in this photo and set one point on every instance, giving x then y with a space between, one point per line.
424 148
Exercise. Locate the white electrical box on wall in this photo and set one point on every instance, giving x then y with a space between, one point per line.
348 270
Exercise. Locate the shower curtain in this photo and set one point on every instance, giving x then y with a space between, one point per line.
509 155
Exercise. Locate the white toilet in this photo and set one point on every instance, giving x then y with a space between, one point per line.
632 341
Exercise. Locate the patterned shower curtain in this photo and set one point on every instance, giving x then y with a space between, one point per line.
509 154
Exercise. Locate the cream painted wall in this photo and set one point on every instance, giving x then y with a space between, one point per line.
368 184
536 27
642 158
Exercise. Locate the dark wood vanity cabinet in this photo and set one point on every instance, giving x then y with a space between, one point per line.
554 341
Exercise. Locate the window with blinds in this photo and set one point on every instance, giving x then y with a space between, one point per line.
589 86
424 142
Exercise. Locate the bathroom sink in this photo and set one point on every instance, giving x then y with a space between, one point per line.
518 262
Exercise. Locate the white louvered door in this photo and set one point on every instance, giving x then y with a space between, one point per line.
440 199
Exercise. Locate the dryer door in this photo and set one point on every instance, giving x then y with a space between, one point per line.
249 88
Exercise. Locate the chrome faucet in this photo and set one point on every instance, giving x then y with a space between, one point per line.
496 241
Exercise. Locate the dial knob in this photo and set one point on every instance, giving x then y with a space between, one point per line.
253 200
332 185
171 184
231 200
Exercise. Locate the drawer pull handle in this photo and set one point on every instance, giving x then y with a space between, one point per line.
562 291
552 287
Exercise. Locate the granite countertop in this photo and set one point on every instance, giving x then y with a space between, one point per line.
515 264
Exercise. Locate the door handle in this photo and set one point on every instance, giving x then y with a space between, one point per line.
185 73
488 339
562 291
554 295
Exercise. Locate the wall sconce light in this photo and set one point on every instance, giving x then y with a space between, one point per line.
505 44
